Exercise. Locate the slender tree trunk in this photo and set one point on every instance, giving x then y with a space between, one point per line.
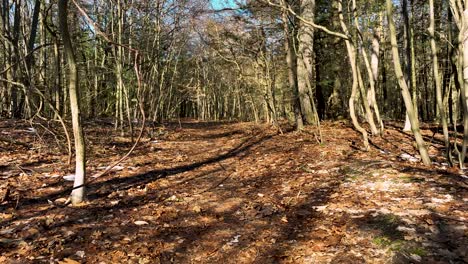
440 104
384 80
16 101
404 88
410 61
6 57
58 79
460 16
464 91
414 86
354 90
32 36
365 95
78 193
373 71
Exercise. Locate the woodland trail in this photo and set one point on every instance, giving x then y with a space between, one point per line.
233 193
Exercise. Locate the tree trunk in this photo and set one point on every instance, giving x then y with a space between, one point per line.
410 61
435 62
354 89
32 36
291 60
365 95
305 62
404 88
460 16
373 71
78 193
16 106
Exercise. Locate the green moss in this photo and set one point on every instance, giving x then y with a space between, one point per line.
387 242
417 251
398 246
382 241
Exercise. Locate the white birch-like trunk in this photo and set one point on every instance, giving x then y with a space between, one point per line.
78 193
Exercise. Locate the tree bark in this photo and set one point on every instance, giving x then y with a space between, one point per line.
410 61
460 16
404 87
354 89
291 60
366 103
435 62
305 62
32 35
464 92
78 193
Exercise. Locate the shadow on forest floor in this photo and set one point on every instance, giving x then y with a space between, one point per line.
241 193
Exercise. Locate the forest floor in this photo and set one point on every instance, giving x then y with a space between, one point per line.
231 193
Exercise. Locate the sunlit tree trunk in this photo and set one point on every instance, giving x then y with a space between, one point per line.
363 92
373 74
355 85
464 91
460 15
435 63
78 193
410 61
404 87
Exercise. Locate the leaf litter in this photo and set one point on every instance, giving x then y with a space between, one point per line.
234 193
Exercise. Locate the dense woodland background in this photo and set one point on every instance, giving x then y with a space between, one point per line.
212 65
264 61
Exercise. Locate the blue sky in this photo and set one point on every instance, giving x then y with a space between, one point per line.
219 4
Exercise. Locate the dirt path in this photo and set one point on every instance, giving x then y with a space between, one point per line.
235 193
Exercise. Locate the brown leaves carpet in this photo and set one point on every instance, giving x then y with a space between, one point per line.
231 193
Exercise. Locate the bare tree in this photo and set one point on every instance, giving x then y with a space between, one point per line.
404 87
78 193
435 66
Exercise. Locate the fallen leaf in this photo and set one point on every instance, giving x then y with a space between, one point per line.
320 208
139 223
61 200
80 254
70 177
197 209
68 261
